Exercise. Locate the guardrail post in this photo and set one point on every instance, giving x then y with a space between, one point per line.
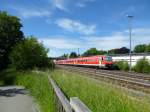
62 98
63 104
78 106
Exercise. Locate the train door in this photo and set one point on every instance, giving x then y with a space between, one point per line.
100 61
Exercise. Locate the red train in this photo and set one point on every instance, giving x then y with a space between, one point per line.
97 61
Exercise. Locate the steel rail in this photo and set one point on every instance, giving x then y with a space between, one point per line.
137 81
127 74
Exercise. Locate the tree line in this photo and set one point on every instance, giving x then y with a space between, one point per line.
141 48
18 51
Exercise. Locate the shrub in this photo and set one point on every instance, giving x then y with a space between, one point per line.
8 76
29 54
121 65
142 66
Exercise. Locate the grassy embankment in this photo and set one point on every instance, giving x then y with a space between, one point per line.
98 97
37 84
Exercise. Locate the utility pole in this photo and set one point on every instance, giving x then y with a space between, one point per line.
78 52
130 34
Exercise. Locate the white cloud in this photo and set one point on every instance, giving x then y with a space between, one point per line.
60 4
49 21
83 3
141 35
54 52
75 26
59 44
34 13
143 31
109 42
120 39
65 5
80 5
27 12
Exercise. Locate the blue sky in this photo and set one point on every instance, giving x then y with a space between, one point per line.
66 25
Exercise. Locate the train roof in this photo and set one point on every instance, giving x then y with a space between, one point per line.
96 56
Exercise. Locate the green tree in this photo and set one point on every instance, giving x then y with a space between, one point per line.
122 50
140 48
101 52
148 48
65 56
73 55
121 65
10 35
29 54
142 66
112 51
93 51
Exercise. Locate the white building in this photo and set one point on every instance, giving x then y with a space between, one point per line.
134 58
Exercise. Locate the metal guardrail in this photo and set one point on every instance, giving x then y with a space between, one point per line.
78 105
62 101
63 104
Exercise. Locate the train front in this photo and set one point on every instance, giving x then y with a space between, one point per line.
108 61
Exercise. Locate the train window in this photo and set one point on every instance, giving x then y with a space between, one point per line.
108 58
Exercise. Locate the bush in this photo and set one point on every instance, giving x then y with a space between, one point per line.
142 66
29 54
121 65
8 76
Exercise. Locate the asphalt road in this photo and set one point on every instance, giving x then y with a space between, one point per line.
16 99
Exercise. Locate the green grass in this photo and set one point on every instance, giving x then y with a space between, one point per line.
36 83
98 97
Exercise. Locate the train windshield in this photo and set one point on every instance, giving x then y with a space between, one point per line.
108 58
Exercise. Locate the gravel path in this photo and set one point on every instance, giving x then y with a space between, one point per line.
15 99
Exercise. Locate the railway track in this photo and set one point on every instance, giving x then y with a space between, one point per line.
140 82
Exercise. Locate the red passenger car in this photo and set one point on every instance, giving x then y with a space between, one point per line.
99 61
